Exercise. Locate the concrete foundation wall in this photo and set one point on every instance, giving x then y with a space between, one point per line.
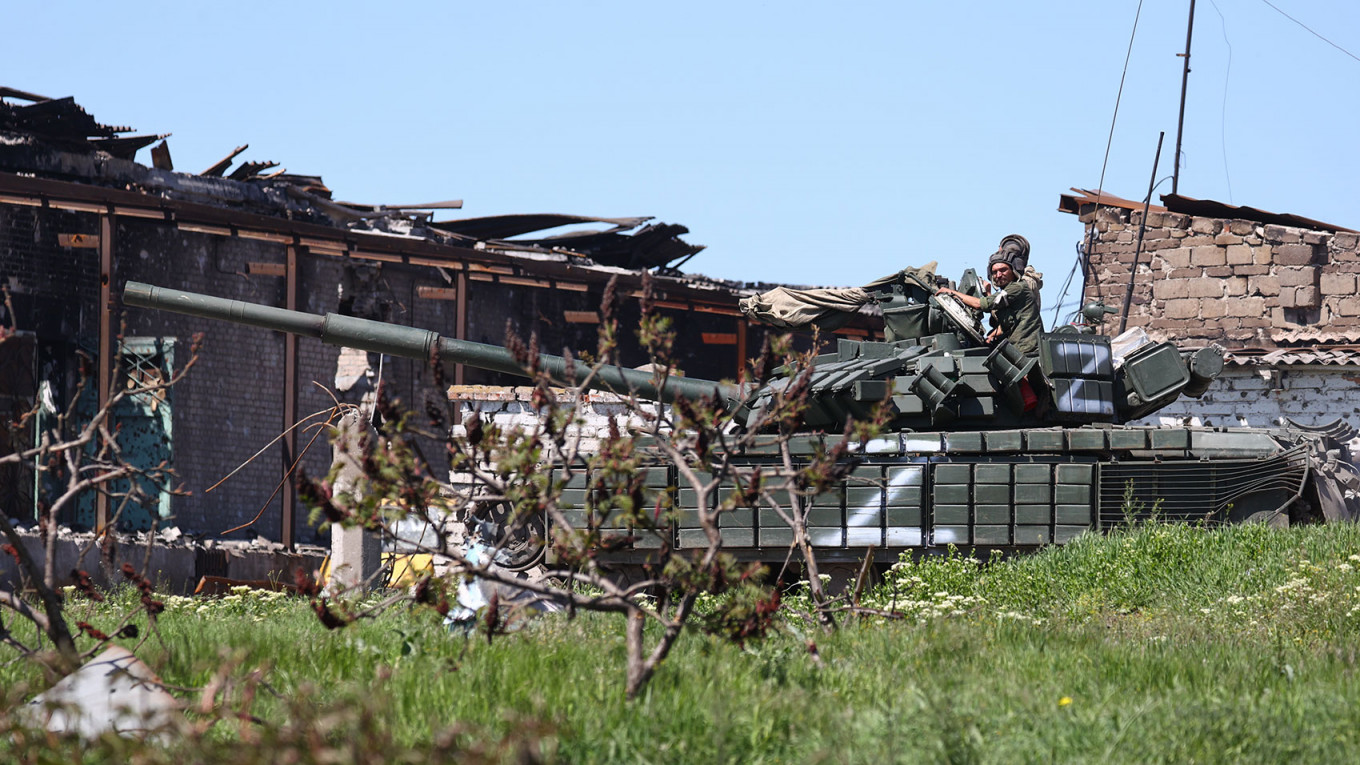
175 569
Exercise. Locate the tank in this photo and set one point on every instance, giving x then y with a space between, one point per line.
985 446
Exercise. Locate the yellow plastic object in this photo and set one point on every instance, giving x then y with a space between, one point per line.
402 570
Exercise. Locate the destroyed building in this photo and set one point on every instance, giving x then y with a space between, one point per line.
80 217
1278 292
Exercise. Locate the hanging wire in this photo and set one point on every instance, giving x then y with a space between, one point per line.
1082 256
1310 31
1057 309
1223 108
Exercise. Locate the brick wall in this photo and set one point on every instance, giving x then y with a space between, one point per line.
1240 284
231 405
1235 282
1256 396
53 288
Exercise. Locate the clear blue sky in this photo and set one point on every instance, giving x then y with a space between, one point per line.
802 142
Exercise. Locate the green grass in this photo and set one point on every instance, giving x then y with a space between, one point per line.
1160 644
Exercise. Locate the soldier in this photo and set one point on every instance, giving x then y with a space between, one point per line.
1015 308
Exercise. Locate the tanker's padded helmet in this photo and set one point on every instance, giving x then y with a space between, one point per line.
1013 251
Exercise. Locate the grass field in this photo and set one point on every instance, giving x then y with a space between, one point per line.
1158 644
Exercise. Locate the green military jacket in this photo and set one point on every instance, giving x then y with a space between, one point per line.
1016 311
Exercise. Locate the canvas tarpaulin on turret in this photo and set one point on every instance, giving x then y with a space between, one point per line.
829 308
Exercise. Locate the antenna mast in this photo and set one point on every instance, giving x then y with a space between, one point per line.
1185 79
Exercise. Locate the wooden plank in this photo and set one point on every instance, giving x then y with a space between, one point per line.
266 269
107 348
197 228
521 281
77 207
437 293
571 286
486 269
581 317
384 257
741 346
460 314
139 212
435 262
264 236
720 338
79 241
26 201
290 397
717 309
324 244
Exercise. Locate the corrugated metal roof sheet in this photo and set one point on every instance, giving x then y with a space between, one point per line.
1207 208
1316 336
1294 356
1203 208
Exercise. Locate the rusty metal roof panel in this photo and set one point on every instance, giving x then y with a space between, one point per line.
1207 208
1203 208
1072 203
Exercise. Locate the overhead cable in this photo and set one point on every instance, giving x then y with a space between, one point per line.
1310 30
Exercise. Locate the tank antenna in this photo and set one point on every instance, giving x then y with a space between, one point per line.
1185 80
1138 248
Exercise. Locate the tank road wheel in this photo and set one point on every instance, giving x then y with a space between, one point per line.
520 544
1268 507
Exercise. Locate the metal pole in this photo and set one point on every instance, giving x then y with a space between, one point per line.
1138 248
1185 80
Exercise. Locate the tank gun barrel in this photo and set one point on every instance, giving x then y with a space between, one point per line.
414 343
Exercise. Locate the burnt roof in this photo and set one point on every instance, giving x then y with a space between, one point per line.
56 138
